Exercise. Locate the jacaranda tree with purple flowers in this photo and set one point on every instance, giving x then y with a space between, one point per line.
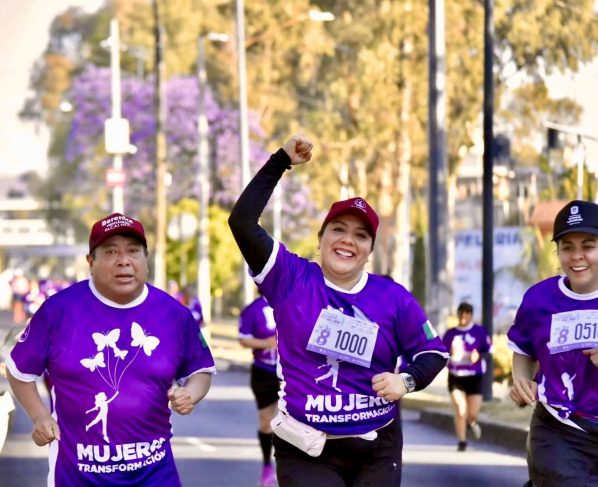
91 98
90 95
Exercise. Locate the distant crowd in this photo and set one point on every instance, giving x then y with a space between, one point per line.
28 294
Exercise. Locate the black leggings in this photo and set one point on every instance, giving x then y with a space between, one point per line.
344 462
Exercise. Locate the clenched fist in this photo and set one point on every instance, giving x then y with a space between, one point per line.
298 149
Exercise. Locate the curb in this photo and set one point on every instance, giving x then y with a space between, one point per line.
507 435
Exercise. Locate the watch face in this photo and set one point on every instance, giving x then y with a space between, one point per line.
409 382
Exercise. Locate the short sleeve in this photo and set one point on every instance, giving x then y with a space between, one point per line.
486 342
29 357
281 275
519 335
196 356
416 334
447 339
245 323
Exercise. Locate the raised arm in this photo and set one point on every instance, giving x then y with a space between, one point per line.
253 241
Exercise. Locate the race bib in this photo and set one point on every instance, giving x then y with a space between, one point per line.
572 330
344 337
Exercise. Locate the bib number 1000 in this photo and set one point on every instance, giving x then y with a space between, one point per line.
343 337
351 342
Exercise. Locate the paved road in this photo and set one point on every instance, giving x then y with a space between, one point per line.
216 447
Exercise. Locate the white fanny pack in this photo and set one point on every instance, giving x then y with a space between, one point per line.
298 434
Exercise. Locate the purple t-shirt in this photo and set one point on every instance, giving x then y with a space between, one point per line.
461 342
110 367
553 318
331 394
257 321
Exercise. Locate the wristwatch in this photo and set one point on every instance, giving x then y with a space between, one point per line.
409 381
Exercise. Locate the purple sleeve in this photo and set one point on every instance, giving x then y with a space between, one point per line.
520 335
447 339
197 356
29 356
245 322
281 275
485 341
416 333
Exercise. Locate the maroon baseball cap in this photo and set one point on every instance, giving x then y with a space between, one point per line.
115 224
358 207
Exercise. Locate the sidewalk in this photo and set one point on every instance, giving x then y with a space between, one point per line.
436 409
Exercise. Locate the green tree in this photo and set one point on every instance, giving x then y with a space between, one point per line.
358 86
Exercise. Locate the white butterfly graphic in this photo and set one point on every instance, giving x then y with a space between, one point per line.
140 339
106 340
121 354
93 362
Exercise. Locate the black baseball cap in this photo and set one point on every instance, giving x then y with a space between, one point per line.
576 216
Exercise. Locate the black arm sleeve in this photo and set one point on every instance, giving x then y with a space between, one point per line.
424 368
253 241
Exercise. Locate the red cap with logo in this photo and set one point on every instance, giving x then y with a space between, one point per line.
115 224
358 207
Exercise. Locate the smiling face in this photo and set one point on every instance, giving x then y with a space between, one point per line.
118 268
345 246
578 255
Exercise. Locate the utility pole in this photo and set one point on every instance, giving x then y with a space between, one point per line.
248 287
488 193
160 156
117 161
116 128
402 252
277 213
203 177
438 235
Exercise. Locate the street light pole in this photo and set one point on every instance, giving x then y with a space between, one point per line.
243 129
277 213
438 236
203 179
488 193
160 114
118 204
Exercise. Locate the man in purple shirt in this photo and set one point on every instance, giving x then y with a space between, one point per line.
112 348
257 330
